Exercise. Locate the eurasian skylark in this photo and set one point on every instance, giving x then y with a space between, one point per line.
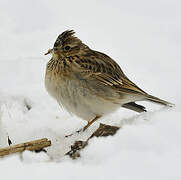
89 83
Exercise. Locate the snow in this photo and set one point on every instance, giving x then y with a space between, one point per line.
143 37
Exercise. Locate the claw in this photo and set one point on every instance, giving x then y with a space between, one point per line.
80 130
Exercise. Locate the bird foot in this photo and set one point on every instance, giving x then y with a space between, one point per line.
80 130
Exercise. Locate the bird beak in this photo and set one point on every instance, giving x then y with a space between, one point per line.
49 51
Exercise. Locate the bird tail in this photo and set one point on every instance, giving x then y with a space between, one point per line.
134 107
159 101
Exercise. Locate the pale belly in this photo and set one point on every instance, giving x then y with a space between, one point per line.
80 98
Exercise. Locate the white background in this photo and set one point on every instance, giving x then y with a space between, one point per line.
143 37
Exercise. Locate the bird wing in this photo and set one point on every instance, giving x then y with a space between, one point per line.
101 67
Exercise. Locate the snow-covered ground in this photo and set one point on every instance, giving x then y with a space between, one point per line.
143 37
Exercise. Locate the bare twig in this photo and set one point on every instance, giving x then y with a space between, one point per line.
103 130
36 145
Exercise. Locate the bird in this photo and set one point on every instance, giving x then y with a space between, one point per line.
88 83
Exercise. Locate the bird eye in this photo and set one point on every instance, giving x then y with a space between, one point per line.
67 48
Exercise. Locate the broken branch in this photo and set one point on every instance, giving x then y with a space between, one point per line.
36 145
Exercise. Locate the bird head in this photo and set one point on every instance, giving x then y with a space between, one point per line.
66 45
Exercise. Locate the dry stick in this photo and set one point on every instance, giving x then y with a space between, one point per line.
103 130
36 145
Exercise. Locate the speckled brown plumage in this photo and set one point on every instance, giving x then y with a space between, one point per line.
89 83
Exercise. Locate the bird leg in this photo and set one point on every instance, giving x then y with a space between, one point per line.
91 122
